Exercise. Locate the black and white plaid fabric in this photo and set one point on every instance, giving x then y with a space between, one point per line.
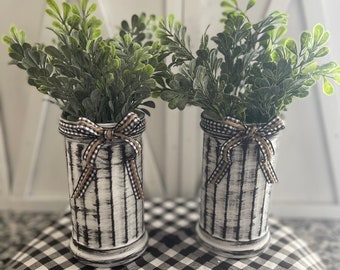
172 245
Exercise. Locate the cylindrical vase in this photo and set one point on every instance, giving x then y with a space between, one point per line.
234 194
107 215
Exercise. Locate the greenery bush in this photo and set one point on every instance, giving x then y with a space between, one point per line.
252 72
87 75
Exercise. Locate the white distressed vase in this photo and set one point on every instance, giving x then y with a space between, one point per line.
107 215
235 193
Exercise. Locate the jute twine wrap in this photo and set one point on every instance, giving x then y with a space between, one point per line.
108 213
235 190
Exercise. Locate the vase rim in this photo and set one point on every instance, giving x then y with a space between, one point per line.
206 116
107 124
66 128
223 130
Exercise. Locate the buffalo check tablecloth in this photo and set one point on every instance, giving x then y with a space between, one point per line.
172 245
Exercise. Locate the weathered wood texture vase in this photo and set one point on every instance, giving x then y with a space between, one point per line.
105 187
236 186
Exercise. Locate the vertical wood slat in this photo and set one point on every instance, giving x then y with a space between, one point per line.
4 164
191 138
153 186
33 131
21 183
34 161
172 123
314 12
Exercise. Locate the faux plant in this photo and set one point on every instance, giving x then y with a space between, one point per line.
252 72
87 75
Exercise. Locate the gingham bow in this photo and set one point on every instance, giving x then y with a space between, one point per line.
124 130
241 133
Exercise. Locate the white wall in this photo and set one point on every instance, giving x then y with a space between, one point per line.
33 172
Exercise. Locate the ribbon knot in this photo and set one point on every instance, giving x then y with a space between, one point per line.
241 133
109 134
124 130
250 132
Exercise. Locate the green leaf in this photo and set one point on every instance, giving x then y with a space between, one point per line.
322 52
54 6
318 31
281 31
226 4
83 5
54 52
250 4
310 82
337 79
145 111
18 36
15 56
96 33
91 9
125 26
75 10
324 38
17 48
7 40
171 19
328 67
336 70
93 22
149 103
58 27
305 40
310 68
264 37
51 13
66 9
327 87
134 21
291 45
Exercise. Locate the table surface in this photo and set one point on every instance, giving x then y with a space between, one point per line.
172 245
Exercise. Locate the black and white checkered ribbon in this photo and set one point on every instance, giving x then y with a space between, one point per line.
124 130
239 133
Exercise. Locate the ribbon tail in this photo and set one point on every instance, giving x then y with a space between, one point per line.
88 174
136 146
92 150
219 172
135 180
268 171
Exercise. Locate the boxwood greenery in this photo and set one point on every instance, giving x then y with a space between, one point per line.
251 72
87 75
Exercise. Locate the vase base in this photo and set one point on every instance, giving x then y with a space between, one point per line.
110 257
232 249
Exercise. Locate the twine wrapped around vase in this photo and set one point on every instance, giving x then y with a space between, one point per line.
106 204
236 187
